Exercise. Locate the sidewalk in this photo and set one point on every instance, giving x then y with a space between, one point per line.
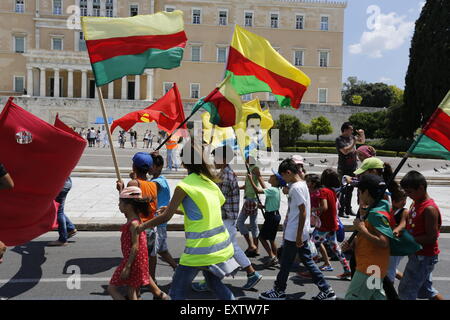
92 205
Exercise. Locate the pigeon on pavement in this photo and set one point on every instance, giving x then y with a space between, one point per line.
436 170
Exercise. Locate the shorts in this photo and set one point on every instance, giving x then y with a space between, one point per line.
270 227
161 239
151 241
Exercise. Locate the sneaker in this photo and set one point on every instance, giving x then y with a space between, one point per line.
345 276
201 286
305 274
252 281
273 294
72 233
326 268
271 262
328 295
344 216
251 253
56 244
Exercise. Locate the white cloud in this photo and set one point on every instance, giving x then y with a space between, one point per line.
385 80
421 4
388 32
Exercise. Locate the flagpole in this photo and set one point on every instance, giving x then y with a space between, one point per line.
105 117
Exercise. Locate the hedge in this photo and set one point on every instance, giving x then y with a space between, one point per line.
322 150
307 144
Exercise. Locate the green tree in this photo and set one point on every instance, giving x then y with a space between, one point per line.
320 126
398 96
373 123
356 100
428 76
291 129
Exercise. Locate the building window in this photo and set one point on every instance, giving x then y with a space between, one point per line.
274 20
57 7
83 8
167 86
248 19
323 95
57 44
196 16
221 54
81 42
96 8
20 6
298 58
134 10
246 97
195 90
299 22
169 9
109 8
323 58
195 53
223 18
19 44
324 23
19 84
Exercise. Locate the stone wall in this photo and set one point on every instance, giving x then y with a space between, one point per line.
83 112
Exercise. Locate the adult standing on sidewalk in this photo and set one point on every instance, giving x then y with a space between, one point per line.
66 229
171 145
230 211
347 163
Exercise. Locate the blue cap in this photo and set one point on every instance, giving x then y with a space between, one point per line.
143 160
280 179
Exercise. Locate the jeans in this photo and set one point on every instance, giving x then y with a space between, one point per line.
64 223
253 226
394 261
239 255
290 250
417 281
183 278
169 158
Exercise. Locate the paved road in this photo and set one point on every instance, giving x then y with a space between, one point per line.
36 272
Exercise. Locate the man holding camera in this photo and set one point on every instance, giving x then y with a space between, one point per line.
347 163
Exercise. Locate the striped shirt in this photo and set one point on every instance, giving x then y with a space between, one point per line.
230 189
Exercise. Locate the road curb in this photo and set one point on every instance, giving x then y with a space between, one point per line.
180 227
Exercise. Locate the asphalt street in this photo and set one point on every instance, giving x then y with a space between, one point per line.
82 270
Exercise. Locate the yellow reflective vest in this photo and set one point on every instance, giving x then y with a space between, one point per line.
207 240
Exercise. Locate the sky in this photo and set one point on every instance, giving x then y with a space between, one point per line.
377 39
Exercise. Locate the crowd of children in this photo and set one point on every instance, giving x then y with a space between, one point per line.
387 232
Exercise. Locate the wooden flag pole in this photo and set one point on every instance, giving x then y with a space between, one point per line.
105 117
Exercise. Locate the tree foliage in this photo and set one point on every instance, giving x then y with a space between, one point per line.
374 124
290 130
374 95
428 76
320 126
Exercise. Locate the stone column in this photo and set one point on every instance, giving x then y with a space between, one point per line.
56 84
30 81
70 83
90 8
149 85
111 90
84 84
124 88
103 8
137 88
42 83
115 8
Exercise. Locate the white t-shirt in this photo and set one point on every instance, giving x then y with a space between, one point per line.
298 195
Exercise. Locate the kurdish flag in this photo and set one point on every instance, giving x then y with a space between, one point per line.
126 46
255 66
224 105
435 137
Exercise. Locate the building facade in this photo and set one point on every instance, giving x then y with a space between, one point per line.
42 51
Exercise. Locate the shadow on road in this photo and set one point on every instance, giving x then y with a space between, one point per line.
33 257
92 266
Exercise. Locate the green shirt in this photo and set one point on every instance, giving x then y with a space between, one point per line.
272 199
249 192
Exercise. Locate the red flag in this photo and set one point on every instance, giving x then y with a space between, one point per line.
167 112
39 157
61 125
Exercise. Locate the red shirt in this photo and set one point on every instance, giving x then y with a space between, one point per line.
329 217
416 225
